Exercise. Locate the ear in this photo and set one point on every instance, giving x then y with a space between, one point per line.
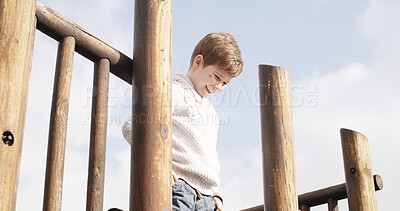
198 61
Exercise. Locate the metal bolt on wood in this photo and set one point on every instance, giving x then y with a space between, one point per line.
8 138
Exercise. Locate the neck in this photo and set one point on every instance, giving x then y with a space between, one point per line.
189 74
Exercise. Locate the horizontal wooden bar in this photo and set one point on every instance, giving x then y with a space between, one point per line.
256 208
318 197
56 26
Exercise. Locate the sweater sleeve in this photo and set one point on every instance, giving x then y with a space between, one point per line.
215 190
175 93
127 127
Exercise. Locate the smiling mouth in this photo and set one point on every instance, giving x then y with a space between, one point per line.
208 90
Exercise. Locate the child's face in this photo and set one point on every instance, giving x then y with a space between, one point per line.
208 80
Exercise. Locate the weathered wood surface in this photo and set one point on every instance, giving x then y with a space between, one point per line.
151 114
17 32
56 26
98 134
358 171
280 190
332 205
58 125
304 208
321 196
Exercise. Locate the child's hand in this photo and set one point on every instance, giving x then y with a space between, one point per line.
218 204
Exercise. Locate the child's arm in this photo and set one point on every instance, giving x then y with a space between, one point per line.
127 127
126 130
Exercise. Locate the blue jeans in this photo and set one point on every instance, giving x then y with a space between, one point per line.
185 198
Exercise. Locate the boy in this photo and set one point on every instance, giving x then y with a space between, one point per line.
216 59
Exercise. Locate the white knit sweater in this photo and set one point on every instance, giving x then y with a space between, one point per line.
194 137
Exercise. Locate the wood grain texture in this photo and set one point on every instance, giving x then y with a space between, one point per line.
358 171
17 32
304 208
57 26
332 205
280 191
58 125
151 114
98 135
322 196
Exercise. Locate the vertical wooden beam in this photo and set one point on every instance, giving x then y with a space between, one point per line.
332 205
151 115
17 32
98 134
280 191
304 207
357 166
58 125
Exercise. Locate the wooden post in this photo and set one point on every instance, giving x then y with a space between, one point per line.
358 171
304 207
58 125
151 115
17 33
277 139
332 205
98 134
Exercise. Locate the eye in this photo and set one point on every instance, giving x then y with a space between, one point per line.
224 84
216 77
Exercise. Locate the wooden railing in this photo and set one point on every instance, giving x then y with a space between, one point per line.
278 157
58 27
18 22
330 196
151 149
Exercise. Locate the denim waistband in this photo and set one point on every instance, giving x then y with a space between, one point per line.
194 189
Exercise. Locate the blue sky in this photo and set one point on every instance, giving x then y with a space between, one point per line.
343 57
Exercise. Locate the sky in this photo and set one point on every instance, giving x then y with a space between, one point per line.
343 58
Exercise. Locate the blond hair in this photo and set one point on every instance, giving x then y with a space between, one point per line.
220 49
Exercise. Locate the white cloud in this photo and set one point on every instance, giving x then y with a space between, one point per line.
359 96
380 25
